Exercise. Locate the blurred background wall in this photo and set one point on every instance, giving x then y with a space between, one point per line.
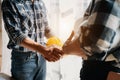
5 53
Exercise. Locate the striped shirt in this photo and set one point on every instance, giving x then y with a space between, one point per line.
100 33
24 18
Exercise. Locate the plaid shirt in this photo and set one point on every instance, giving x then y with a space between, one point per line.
23 19
100 33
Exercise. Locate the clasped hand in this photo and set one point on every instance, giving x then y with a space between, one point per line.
70 47
53 53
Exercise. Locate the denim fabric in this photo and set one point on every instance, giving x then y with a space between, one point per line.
28 66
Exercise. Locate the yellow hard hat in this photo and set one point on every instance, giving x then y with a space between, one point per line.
54 41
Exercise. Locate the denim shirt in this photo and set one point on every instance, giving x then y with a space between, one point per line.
24 18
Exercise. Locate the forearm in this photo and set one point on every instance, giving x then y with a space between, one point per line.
73 48
32 45
76 49
49 53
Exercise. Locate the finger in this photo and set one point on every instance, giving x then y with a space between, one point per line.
49 59
71 36
58 52
52 59
53 56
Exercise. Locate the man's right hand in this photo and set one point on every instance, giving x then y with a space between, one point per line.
52 53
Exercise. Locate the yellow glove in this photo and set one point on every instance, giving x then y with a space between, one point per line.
54 41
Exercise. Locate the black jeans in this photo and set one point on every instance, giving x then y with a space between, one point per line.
95 70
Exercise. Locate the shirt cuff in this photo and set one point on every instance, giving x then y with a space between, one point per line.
20 38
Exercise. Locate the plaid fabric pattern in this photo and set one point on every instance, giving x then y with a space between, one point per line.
101 31
23 19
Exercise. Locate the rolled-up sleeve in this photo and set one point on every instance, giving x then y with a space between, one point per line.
12 23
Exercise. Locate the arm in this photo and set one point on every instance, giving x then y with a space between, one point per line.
13 28
48 53
72 47
97 35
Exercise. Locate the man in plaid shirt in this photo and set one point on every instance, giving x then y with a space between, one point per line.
26 24
99 40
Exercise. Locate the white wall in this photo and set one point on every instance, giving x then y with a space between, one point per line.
53 14
5 52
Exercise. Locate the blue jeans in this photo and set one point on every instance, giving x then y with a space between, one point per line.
28 66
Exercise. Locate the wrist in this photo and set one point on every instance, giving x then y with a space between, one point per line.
40 49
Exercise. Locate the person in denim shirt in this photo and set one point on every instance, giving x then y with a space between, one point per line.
26 25
97 40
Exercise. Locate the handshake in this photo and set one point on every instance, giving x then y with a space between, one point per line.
56 50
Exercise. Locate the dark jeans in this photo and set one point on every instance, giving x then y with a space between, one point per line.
28 66
95 70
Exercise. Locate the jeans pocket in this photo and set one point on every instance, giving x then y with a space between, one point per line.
19 58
